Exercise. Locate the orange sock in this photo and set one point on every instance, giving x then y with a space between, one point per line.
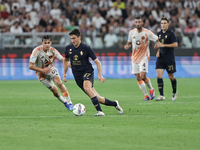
65 94
147 80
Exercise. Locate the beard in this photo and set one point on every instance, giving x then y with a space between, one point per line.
139 27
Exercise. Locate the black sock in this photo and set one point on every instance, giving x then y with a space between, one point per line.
174 85
110 103
160 85
96 103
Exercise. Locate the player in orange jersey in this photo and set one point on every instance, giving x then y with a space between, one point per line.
139 38
41 61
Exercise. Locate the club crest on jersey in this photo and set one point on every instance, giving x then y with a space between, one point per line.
165 36
134 37
75 57
143 37
81 53
137 42
70 51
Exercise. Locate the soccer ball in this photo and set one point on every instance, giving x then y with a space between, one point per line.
79 109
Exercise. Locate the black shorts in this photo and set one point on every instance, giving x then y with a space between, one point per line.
86 76
169 66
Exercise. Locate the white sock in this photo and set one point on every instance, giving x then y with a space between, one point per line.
62 99
148 83
68 99
142 86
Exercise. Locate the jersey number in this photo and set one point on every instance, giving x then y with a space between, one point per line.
87 75
170 68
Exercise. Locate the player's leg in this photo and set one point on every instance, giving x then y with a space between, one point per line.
87 86
141 84
143 71
174 86
171 68
108 102
149 85
160 84
64 91
50 85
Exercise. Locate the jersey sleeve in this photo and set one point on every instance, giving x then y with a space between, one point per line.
173 37
58 55
91 53
152 36
33 57
67 52
129 37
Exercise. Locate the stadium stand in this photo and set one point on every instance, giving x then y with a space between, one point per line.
22 22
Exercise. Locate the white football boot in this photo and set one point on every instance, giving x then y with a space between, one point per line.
99 113
119 109
160 98
174 96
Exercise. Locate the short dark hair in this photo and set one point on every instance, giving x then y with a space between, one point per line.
75 32
139 17
46 37
164 18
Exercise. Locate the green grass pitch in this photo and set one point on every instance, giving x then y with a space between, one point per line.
32 119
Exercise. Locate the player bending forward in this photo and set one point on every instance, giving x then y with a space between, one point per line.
78 54
139 38
41 61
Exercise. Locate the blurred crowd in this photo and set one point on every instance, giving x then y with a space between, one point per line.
105 22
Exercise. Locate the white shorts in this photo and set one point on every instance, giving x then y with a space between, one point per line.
140 67
48 81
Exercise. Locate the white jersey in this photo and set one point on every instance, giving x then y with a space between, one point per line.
43 59
140 44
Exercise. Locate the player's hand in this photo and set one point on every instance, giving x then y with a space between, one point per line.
64 77
158 54
101 79
160 44
156 46
126 46
46 70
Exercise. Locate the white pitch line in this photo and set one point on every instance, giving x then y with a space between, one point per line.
27 117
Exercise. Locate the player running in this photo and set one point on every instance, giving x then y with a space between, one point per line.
139 38
41 61
166 58
78 54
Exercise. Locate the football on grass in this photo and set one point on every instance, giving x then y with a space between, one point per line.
79 109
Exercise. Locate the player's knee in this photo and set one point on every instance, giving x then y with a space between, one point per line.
159 76
59 84
87 89
171 77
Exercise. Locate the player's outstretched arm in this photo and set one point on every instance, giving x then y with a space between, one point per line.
100 77
33 67
65 68
127 46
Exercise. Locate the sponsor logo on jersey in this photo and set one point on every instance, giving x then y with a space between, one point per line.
137 42
32 58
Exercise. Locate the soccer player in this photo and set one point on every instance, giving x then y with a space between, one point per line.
78 54
139 38
41 61
166 58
